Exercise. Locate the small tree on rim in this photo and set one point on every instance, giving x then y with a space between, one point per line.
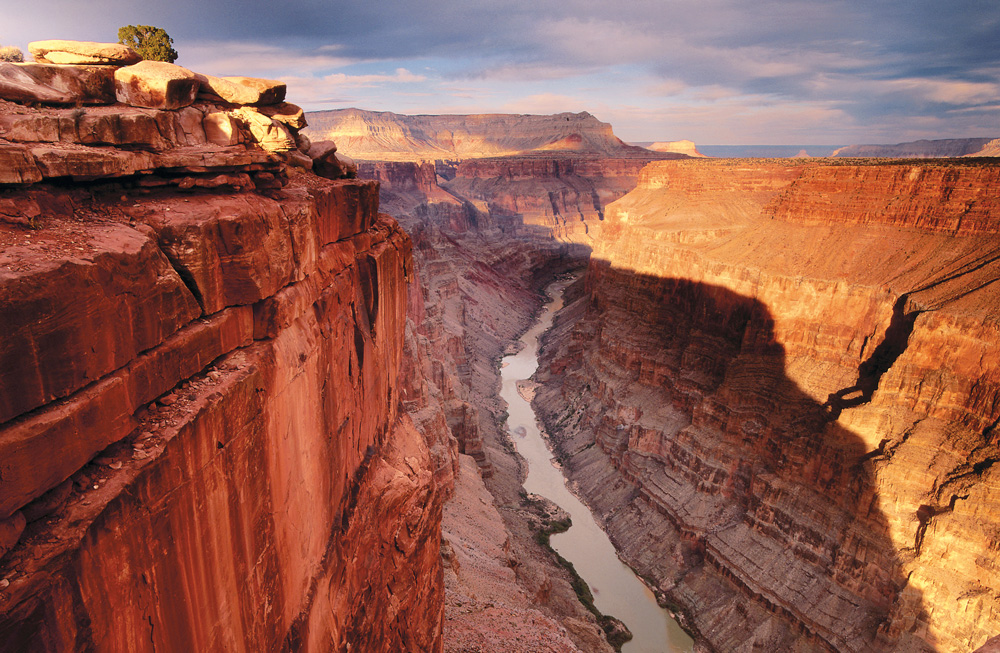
150 42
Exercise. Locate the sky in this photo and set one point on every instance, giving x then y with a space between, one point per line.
713 71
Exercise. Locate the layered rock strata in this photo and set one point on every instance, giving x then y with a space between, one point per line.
780 388
474 297
200 440
385 136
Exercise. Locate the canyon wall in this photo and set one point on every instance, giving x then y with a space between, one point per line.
201 446
476 274
780 387
924 149
386 136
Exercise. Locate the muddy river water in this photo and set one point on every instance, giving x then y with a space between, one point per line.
617 590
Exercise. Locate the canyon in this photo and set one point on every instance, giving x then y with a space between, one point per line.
250 387
778 388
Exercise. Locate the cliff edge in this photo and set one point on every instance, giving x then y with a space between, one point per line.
200 441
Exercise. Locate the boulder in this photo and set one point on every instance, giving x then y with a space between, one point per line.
83 53
348 168
221 129
287 113
328 163
229 91
271 91
156 85
321 149
303 142
57 84
271 135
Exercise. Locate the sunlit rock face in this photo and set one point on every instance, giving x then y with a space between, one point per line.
385 136
201 446
780 387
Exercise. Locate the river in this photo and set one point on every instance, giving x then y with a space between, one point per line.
617 590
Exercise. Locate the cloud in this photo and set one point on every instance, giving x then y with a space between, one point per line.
236 57
847 69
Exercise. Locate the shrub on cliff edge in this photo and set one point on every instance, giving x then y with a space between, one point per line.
150 42
11 53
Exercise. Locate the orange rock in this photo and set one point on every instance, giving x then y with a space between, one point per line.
82 53
155 85
57 84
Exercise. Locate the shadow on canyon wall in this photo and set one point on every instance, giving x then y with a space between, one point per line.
777 495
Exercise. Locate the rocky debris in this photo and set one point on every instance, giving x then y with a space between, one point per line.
57 84
156 85
241 90
83 53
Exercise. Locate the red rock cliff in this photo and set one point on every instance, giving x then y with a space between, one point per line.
200 441
792 374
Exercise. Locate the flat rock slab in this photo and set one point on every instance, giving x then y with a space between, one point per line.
83 53
156 85
271 91
286 113
57 84
242 90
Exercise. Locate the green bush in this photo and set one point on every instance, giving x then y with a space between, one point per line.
150 42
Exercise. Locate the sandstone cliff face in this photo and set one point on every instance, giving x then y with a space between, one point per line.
200 441
792 376
385 136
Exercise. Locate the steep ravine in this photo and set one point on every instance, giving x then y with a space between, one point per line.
778 386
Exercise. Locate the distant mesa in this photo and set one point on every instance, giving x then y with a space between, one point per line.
926 149
677 147
387 136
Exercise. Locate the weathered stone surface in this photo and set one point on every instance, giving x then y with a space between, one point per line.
103 412
271 91
270 134
82 53
156 85
57 84
10 532
222 129
17 166
789 372
327 162
228 90
110 295
287 113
